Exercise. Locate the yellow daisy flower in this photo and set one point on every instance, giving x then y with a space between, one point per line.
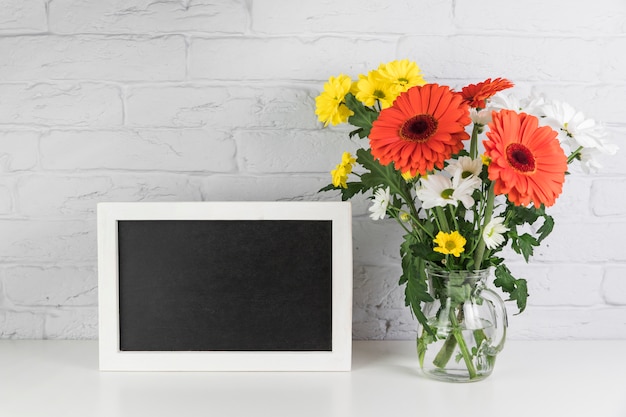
402 74
450 243
329 105
340 173
408 177
371 88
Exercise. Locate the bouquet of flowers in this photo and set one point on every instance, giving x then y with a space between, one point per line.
423 165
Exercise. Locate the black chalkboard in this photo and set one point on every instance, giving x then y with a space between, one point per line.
225 285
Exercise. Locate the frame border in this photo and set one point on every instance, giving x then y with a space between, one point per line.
111 358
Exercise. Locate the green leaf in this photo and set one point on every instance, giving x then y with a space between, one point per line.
524 244
546 227
516 288
378 174
352 189
362 118
522 214
425 251
414 277
520 294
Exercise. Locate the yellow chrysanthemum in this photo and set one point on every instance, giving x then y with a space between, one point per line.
329 105
340 173
402 74
372 88
408 176
450 243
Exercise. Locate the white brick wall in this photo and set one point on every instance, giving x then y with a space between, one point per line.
171 100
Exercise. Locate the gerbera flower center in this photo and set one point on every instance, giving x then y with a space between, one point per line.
520 157
419 128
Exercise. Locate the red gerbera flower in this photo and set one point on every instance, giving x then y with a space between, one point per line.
527 161
423 128
476 95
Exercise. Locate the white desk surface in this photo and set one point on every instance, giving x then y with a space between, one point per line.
561 378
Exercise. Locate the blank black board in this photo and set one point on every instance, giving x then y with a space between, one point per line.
225 285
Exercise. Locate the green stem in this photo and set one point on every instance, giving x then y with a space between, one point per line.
444 355
480 249
474 141
467 356
443 222
574 155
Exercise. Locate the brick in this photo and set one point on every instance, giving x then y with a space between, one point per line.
270 188
44 104
21 325
377 287
265 59
72 323
147 16
595 101
607 198
583 241
614 285
574 202
77 196
216 107
605 17
17 16
561 285
271 151
6 199
123 58
47 241
518 58
166 150
51 286
545 323
18 150
352 16
364 327
376 242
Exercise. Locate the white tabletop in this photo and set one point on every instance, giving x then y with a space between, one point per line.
564 378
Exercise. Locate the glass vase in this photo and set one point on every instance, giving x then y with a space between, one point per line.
467 326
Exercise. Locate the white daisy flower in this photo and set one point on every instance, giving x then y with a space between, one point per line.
493 233
575 130
589 158
380 203
481 117
438 190
466 166
530 105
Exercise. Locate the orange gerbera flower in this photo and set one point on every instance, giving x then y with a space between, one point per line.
476 95
527 162
423 128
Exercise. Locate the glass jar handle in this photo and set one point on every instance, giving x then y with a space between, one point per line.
501 321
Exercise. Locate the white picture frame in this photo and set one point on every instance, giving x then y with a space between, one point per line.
113 358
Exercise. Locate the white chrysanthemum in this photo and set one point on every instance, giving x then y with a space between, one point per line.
481 117
493 233
530 105
589 158
465 166
575 129
380 203
438 190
